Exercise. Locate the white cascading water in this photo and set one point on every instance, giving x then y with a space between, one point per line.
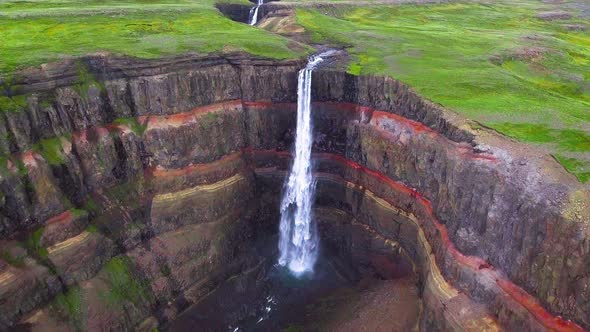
298 242
254 13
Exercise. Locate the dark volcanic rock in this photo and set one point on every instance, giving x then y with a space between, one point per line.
176 162
236 12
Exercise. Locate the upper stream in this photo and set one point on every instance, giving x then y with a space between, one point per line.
253 19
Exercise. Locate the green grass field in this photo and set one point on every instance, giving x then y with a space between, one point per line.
498 64
38 32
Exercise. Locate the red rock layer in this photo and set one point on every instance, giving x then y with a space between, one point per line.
447 253
371 179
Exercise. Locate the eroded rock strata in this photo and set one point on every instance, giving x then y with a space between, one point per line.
121 170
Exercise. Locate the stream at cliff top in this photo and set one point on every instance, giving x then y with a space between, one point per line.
254 13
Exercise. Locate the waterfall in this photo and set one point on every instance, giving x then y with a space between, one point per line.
254 13
298 242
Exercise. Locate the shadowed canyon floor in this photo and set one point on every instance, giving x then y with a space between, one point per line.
269 298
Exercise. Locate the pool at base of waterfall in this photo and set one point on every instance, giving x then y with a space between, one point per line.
334 297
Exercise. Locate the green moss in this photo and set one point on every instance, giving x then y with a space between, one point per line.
68 306
86 80
91 206
355 69
51 150
21 170
46 103
77 213
124 286
128 193
577 167
92 229
33 244
3 164
133 226
136 127
9 138
65 201
209 119
165 269
18 262
13 104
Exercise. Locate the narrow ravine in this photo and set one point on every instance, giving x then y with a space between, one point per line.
298 241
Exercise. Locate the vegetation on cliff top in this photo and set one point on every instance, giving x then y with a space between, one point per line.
38 32
498 63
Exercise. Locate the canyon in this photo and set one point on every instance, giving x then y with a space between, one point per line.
150 180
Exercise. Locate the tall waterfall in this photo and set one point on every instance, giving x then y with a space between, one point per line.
298 242
254 13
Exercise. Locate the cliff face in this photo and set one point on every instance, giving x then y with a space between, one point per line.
163 170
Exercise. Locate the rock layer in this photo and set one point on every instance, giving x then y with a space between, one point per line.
175 163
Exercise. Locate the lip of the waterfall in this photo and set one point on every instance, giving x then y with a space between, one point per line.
316 59
256 2
325 57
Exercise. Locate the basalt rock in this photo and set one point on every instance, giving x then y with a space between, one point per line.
164 171
236 12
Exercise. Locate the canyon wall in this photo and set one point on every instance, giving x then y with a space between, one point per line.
117 170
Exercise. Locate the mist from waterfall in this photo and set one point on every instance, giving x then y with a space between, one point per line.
298 242
253 19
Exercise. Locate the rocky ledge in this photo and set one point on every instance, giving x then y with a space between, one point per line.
132 188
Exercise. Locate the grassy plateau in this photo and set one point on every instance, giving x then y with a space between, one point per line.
496 62
36 32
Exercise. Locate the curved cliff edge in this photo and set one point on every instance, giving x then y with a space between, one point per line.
117 168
